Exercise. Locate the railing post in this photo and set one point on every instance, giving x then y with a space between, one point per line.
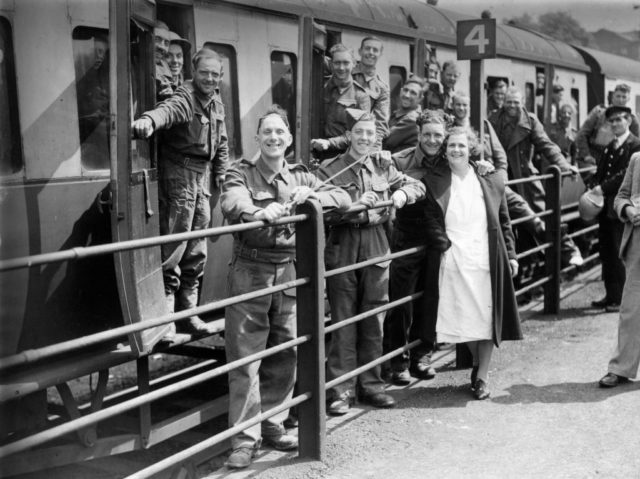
310 317
554 236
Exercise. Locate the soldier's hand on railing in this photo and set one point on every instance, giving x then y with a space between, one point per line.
142 127
382 158
271 213
399 198
514 267
485 167
368 198
300 194
574 172
218 180
320 144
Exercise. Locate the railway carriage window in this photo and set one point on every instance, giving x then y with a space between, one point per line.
229 94
91 60
397 76
283 87
575 103
142 92
529 97
10 150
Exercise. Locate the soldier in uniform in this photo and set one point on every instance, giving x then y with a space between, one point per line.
365 74
443 98
403 129
607 181
563 134
340 92
194 146
354 238
265 189
178 50
162 38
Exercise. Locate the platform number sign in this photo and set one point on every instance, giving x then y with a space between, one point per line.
476 39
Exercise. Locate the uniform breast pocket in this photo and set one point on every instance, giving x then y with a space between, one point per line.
262 198
381 188
347 103
200 129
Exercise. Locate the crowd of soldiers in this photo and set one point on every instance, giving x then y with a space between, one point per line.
370 154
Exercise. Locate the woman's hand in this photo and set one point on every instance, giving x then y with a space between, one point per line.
514 267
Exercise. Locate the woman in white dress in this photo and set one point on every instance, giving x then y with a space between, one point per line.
470 227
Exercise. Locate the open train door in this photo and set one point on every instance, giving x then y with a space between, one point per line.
133 171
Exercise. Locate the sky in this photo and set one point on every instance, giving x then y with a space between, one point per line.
616 15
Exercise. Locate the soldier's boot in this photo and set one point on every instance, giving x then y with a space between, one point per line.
195 326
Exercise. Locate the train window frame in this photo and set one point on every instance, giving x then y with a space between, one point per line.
15 158
230 99
574 101
529 95
291 108
396 85
99 135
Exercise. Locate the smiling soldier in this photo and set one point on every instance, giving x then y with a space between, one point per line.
264 190
194 146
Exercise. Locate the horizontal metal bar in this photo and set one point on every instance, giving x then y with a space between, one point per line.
528 179
531 251
535 284
372 261
89 251
372 312
369 365
583 231
218 438
33 355
95 417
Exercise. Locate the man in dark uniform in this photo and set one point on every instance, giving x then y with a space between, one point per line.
607 181
352 239
595 133
264 190
340 92
403 130
194 146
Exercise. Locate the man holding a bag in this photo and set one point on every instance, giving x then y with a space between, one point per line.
606 182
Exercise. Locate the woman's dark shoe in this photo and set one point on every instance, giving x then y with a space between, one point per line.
481 390
474 376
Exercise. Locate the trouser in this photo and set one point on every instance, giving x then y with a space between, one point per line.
404 323
350 294
184 206
613 271
534 194
251 327
626 356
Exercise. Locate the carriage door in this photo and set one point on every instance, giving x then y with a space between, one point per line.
133 169
312 72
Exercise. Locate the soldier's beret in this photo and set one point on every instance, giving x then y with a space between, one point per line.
355 115
613 109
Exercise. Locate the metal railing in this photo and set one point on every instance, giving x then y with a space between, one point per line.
311 328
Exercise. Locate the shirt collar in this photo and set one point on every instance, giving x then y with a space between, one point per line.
621 139
269 175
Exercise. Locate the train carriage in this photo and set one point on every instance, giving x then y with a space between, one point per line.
75 73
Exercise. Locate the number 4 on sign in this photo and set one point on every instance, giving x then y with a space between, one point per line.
476 38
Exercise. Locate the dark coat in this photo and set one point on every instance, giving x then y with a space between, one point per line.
506 320
527 139
611 170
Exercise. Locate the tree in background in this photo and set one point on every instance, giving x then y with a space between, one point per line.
559 25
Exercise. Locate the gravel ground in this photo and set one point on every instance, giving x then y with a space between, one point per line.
546 417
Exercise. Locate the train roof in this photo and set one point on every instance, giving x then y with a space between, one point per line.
611 66
406 17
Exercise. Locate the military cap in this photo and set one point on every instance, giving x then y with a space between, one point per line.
557 88
613 109
175 38
355 115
